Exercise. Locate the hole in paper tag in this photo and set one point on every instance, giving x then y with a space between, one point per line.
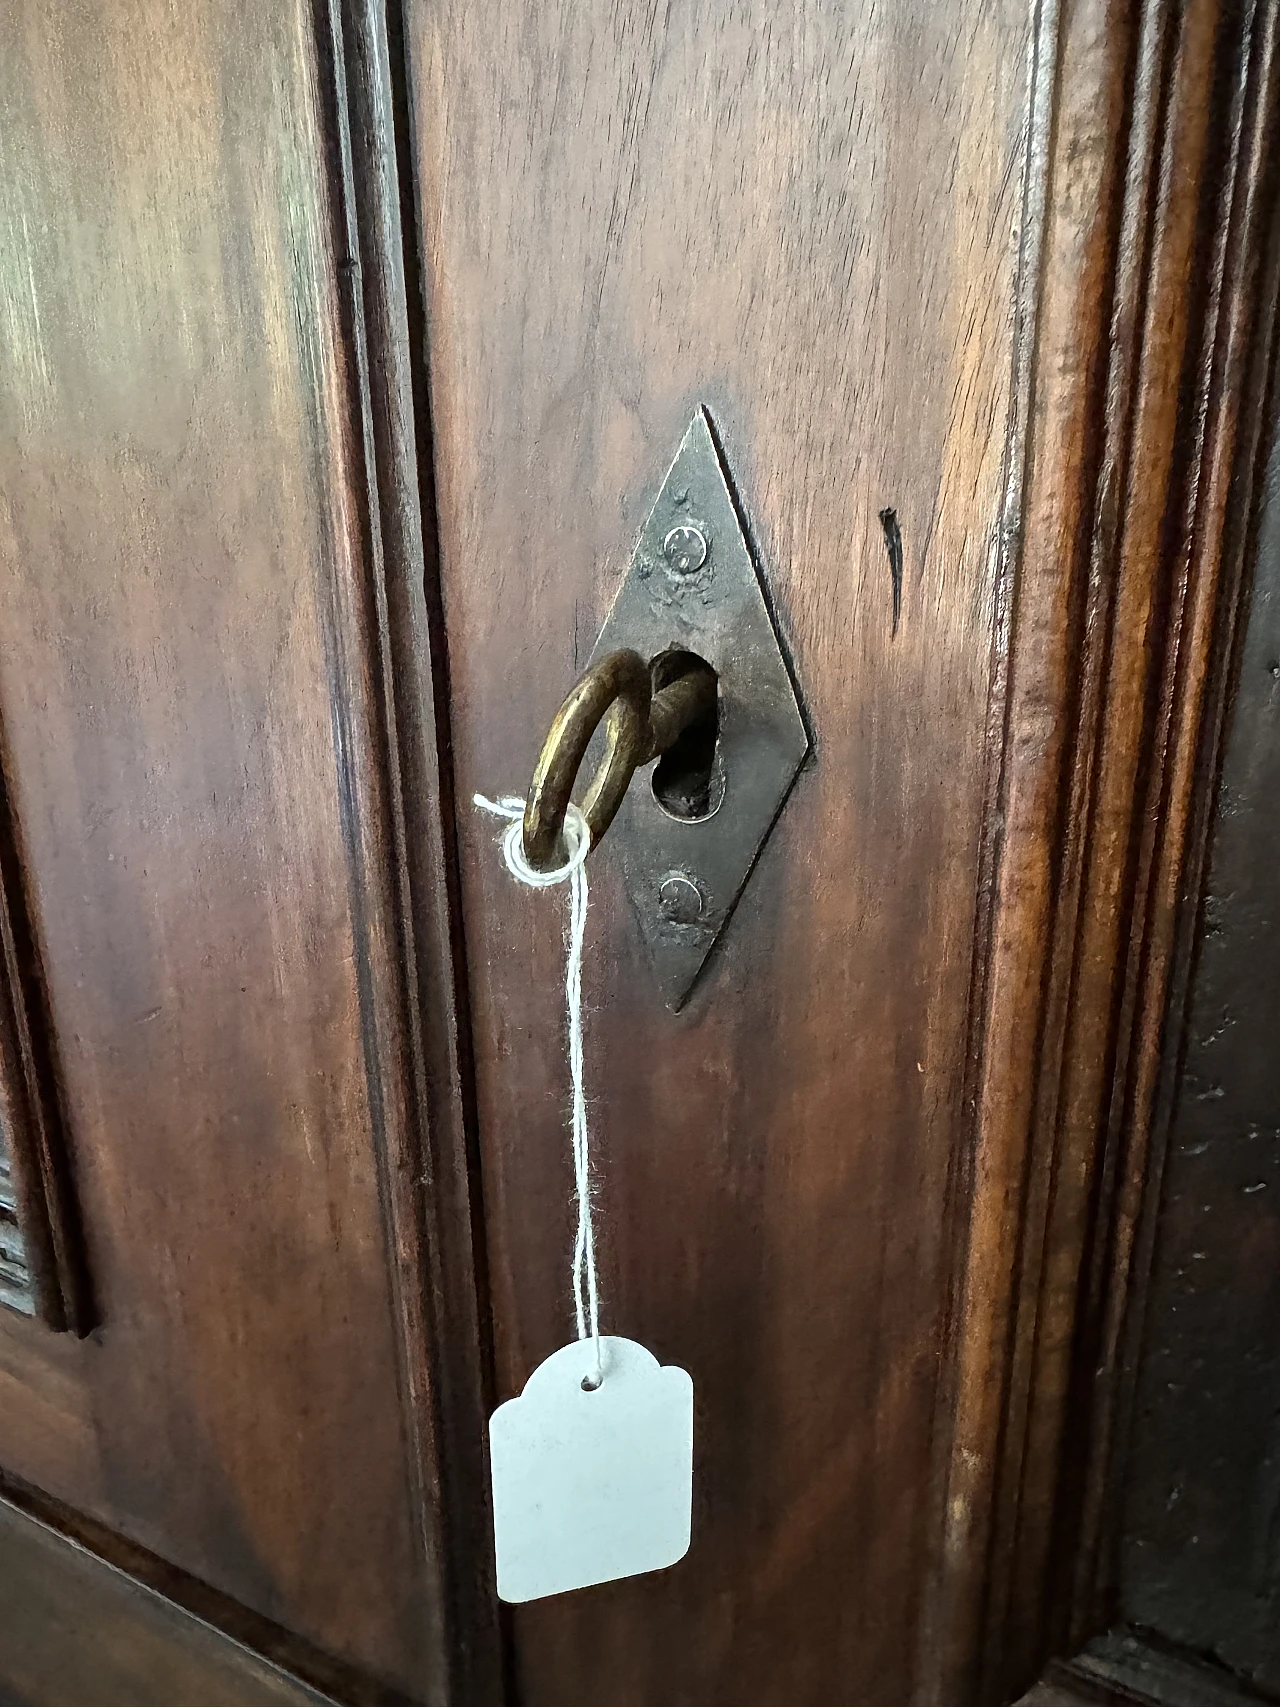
591 1484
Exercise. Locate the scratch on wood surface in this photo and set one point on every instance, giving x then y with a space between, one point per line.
893 543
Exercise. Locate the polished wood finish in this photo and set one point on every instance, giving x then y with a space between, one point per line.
976 299
202 768
431 1195
77 1631
1130 569
1079 97
810 220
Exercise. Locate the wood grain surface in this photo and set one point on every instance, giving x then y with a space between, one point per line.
78 1631
1094 269
972 296
809 220
190 767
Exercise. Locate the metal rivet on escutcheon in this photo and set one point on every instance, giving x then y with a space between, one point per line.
685 548
681 899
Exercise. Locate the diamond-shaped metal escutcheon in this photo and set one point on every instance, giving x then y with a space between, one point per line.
693 586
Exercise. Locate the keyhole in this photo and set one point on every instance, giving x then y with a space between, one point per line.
687 780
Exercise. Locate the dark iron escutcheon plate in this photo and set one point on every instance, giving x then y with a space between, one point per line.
693 586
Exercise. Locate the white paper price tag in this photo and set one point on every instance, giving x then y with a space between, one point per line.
589 1486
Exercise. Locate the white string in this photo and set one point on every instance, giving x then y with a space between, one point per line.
586 1294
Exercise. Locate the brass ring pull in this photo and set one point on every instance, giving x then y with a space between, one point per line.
639 725
619 687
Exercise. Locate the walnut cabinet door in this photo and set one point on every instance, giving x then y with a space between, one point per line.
346 347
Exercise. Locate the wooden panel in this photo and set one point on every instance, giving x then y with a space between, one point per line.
809 218
46 1408
78 1631
192 774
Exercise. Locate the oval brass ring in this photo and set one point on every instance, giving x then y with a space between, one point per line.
617 688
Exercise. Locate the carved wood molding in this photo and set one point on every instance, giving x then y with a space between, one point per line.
1144 299
1230 367
419 1061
